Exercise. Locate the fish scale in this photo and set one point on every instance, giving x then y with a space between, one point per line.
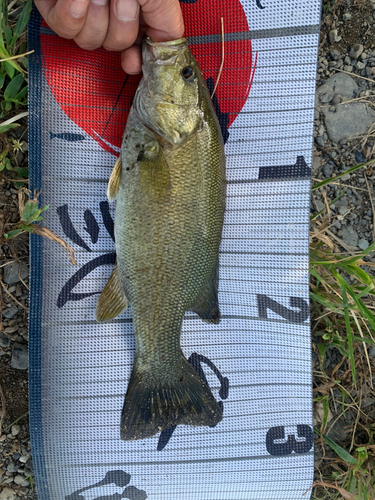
169 186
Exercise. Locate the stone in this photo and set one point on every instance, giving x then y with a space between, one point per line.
339 431
20 357
371 351
10 312
21 480
327 170
340 84
349 236
359 156
15 430
24 458
335 54
4 340
346 16
343 210
367 402
319 205
316 164
320 141
12 270
360 65
348 68
363 244
326 98
332 36
356 50
7 494
12 467
370 72
350 121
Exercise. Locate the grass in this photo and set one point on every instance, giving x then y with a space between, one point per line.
343 322
342 296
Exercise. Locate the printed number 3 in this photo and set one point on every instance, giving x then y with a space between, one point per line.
281 449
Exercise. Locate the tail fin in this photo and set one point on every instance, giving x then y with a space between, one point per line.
157 400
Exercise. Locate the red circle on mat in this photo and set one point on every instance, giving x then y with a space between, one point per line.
95 93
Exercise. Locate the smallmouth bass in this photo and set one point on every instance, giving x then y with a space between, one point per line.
169 185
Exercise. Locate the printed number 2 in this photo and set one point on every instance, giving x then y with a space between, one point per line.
299 316
281 449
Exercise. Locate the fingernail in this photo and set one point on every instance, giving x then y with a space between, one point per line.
126 10
78 8
99 2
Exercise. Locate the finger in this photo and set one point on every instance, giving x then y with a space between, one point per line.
131 60
123 24
64 17
95 28
164 19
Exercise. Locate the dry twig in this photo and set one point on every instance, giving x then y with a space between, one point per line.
3 408
47 233
222 57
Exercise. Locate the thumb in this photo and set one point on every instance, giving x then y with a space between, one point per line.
163 18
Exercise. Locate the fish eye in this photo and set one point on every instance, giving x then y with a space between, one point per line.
188 74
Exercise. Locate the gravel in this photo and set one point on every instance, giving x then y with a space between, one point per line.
340 129
15 272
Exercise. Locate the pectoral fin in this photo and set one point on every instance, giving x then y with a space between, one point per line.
207 304
114 180
112 300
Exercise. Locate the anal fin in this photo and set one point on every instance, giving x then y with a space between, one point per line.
112 300
114 180
207 304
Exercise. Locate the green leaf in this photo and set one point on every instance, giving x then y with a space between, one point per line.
22 172
13 87
8 34
9 68
21 94
4 128
333 179
2 80
11 234
343 454
30 210
345 287
359 273
23 19
8 106
5 13
324 302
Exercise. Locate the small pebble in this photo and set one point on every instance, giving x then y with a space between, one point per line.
346 16
359 156
7 493
327 170
363 244
326 98
21 480
356 50
332 36
16 429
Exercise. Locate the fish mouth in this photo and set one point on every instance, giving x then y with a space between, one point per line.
171 43
162 52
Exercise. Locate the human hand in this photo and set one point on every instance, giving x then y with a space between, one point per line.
114 24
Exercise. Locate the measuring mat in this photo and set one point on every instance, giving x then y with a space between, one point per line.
257 361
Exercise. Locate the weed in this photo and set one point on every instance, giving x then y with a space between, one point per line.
342 299
13 66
